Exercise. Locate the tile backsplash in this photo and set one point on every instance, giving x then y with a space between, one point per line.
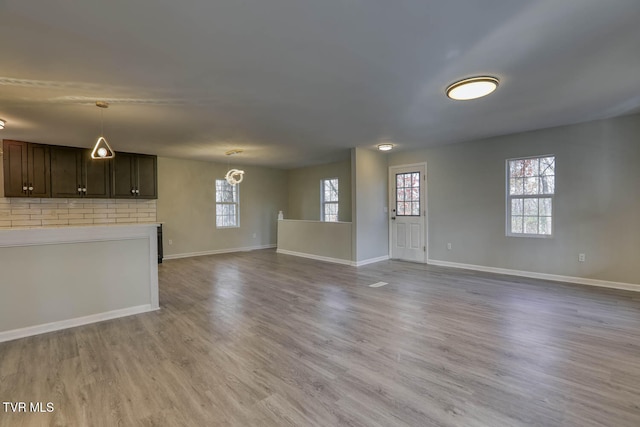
35 213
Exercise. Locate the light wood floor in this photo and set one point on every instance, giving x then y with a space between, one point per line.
260 339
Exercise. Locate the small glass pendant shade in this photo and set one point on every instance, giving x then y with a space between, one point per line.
102 150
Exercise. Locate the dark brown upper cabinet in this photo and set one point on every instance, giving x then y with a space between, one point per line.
26 169
75 174
37 170
134 176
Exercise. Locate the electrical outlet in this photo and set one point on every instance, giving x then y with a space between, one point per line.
448 246
170 242
582 257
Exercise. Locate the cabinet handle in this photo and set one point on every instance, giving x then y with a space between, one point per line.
79 190
30 187
25 188
84 190
137 191
133 190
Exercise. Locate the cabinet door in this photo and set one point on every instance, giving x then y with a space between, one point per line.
147 177
39 170
66 167
15 168
123 176
96 178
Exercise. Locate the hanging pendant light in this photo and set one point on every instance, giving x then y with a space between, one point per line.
234 176
102 149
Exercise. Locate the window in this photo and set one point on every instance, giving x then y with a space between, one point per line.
329 200
408 194
226 204
530 190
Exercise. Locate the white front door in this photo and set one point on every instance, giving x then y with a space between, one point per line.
407 213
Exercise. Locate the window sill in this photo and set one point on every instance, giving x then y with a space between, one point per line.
535 236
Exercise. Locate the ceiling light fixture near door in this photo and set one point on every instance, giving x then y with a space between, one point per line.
385 147
102 149
234 176
472 88
2 123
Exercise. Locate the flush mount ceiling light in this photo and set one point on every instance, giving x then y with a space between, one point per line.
2 123
102 149
234 176
472 88
385 147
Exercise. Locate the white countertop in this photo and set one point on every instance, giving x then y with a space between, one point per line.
123 224
75 234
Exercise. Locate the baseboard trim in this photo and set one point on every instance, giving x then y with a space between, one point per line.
71 323
218 251
544 276
333 260
370 261
316 257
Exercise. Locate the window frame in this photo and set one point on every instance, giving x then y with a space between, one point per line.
397 209
236 203
324 202
538 196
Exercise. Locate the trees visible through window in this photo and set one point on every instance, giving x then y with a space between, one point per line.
408 194
226 204
530 191
329 200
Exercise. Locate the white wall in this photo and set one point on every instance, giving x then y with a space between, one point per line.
304 190
596 210
369 188
186 206
316 239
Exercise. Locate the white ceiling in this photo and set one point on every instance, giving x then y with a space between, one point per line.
297 82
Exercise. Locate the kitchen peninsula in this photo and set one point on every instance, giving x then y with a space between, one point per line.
58 277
